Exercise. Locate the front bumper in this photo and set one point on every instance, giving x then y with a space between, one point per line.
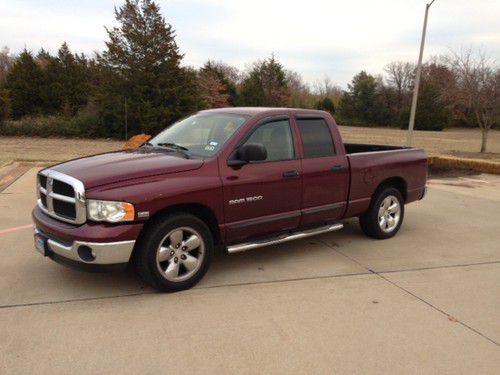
89 252
90 244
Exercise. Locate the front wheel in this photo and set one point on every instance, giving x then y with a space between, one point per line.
174 253
385 214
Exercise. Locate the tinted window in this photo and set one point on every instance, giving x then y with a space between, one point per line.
277 138
316 138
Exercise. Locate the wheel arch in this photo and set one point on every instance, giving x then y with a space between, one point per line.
395 182
201 211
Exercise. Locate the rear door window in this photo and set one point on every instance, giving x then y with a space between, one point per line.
316 137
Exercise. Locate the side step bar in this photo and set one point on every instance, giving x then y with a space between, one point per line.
284 238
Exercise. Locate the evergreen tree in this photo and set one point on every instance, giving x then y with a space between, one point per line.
431 112
141 67
362 101
24 81
49 89
4 105
67 79
266 85
433 107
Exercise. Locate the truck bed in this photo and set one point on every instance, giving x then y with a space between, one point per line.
356 148
370 165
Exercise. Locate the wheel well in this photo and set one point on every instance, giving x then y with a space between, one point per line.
396 182
200 211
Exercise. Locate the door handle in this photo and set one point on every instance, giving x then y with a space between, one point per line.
337 168
291 174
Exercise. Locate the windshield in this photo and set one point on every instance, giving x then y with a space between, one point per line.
201 134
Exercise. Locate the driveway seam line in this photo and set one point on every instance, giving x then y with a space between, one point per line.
440 267
413 294
194 289
370 271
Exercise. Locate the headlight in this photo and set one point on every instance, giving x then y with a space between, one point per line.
112 212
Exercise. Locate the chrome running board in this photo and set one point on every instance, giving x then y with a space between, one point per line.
284 238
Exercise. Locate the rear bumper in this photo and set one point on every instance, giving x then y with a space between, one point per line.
416 194
424 193
87 244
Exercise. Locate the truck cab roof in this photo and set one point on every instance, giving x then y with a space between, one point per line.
252 111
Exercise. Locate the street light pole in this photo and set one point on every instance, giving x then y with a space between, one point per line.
409 136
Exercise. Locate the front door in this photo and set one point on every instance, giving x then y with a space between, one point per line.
263 197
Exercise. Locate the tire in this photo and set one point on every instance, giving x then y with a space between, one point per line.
381 221
174 252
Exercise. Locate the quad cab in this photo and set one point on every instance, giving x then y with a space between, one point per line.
232 178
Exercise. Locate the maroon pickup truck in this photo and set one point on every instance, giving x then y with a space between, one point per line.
234 179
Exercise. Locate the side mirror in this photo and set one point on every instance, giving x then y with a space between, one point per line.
247 153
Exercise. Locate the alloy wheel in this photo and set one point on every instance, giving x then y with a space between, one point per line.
180 254
389 214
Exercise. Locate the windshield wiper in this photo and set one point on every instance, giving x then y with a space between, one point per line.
173 145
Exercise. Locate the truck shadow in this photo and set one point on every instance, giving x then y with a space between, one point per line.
307 258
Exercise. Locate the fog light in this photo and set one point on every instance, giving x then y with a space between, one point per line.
86 253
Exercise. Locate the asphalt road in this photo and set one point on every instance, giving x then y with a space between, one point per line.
426 301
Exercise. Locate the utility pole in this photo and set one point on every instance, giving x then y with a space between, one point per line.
409 136
126 123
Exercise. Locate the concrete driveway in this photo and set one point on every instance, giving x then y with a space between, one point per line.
426 301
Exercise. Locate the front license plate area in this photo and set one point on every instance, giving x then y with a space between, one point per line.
41 244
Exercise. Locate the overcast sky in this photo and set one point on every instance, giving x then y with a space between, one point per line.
315 38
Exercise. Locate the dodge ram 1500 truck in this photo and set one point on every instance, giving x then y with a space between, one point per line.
233 179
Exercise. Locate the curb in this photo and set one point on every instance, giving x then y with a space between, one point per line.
477 165
14 169
7 170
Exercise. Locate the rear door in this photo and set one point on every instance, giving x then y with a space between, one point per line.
325 172
264 197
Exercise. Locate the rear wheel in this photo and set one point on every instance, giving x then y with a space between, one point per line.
174 253
385 214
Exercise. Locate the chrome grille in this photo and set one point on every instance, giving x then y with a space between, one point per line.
61 196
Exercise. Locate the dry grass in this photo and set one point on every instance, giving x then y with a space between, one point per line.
51 149
453 142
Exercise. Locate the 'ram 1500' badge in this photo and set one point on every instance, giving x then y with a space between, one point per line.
247 200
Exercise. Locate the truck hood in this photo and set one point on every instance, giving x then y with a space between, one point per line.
125 165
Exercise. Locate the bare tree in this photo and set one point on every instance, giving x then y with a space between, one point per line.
228 71
6 62
400 77
477 90
327 89
300 95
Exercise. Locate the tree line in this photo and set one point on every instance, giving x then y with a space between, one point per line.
139 85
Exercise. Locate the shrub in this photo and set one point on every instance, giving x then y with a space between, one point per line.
84 124
325 104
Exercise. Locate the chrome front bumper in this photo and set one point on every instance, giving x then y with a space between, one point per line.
102 253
